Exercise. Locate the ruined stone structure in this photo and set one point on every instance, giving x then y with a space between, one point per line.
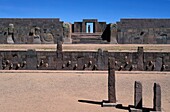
80 27
138 94
53 31
81 32
143 31
49 31
30 31
86 60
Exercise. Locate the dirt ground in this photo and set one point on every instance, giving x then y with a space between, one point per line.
60 92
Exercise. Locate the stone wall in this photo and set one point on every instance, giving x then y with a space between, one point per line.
30 31
51 60
143 31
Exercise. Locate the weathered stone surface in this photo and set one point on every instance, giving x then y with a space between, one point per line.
67 30
123 60
81 26
140 63
99 58
157 97
143 31
128 31
59 50
158 64
36 35
138 95
102 59
0 61
114 34
47 37
111 81
22 31
31 60
10 36
59 46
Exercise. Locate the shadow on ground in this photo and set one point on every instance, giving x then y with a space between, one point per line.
118 106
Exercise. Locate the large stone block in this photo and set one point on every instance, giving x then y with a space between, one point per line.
59 50
140 63
157 97
102 57
67 29
111 81
158 64
138 95
31 60
0 61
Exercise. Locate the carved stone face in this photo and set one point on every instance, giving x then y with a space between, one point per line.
66 29
37 30
11 28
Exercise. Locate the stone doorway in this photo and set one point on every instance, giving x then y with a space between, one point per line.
90 27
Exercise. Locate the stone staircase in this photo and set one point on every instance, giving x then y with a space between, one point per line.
88 38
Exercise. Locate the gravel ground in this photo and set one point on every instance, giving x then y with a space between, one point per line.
60 92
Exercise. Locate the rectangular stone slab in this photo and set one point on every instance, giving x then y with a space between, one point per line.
140 65
138 95
31 60
158 64
111 81
157 97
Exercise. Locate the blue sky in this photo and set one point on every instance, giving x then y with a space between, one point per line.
75 10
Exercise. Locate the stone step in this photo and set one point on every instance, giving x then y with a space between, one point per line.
79 38
86 35
88 38
90 41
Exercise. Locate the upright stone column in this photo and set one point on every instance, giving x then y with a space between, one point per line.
140 65
138 95
114 34
59 49
31 60
111 81
84 27
67 30
101 59
0 61
157 97
158 64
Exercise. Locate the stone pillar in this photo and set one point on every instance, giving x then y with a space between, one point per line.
0 61
138 95
140 65
157 97
84 27
100 56
158 64
31 59
113 34
96 27
59 49
10 37
111 81
67 30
